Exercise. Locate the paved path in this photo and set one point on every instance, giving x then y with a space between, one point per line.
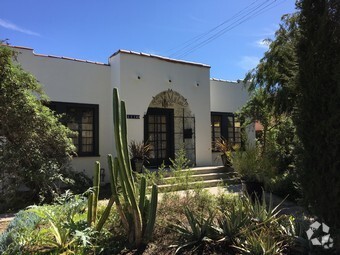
286 207
7 217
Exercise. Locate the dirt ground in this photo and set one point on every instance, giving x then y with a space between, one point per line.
5 219
3 226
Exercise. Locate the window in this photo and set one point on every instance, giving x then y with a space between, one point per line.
83 119
225 125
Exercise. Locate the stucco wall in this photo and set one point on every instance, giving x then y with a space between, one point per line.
227 96
154 76
75 81
66 80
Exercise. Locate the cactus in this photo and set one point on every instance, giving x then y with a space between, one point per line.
96 183
92 205
89 209
138 215
152 210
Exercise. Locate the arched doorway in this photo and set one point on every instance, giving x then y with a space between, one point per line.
169 126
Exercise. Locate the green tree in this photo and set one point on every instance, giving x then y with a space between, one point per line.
274 95
318 115
35 150
277 71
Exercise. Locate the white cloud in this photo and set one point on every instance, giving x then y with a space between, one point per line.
264 44
11 26
248 62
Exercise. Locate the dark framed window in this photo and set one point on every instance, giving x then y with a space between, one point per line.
225 125
84 120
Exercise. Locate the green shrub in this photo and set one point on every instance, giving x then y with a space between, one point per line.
286 185
180 161
56 228
18 233
35 148
253 165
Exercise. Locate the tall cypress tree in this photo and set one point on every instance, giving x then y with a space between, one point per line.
318 117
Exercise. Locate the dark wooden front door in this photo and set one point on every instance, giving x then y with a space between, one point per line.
159 132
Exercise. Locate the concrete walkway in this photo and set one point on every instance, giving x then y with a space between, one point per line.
287 207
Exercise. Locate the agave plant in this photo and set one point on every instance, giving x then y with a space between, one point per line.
197 232
261 212
260 243
233 222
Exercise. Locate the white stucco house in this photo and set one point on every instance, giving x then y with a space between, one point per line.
170 103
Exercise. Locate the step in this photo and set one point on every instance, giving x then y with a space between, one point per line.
192 185
205 177
208 170
200 177
198 170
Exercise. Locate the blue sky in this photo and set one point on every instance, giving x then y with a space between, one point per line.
93 30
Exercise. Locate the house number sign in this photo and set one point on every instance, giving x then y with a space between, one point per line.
133 116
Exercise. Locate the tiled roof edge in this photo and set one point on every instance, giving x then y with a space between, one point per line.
58 57
158 57
221 80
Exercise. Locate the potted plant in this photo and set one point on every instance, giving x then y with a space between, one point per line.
255 169
222 145
139 152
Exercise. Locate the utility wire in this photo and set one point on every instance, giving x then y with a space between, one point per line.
187 43
228 28
238 21
196 43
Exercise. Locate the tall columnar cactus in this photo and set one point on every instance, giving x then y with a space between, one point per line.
93 197
138 215
92 207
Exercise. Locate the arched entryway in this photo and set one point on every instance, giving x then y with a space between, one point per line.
169 126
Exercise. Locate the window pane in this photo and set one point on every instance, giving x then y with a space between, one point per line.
216 128
151 119
72 126
87 126
87 134
230 121
237 133
75 141
87 148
